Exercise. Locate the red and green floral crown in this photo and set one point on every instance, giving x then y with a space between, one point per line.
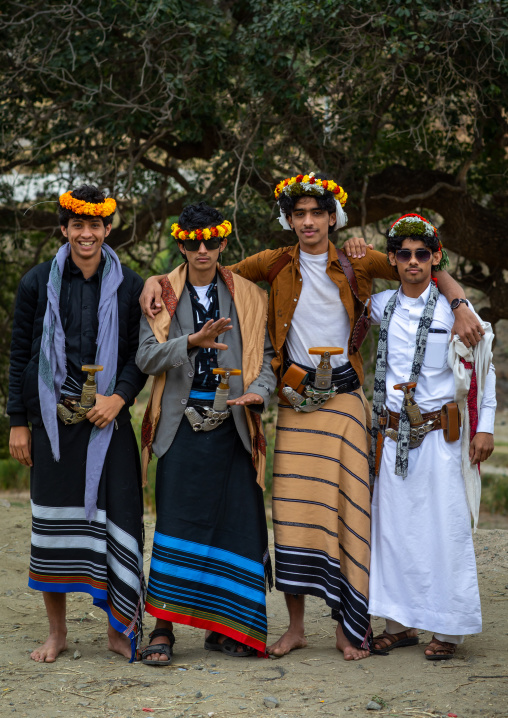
415 226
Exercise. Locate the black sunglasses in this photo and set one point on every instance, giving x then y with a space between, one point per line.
421 254
192 245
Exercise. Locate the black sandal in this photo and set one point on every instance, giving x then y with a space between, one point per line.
164 648
229 646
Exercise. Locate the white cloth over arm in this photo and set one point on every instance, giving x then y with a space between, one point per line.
481 357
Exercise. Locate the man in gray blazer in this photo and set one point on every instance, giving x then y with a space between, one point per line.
210 557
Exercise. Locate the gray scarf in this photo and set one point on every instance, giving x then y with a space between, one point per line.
52 363
401 461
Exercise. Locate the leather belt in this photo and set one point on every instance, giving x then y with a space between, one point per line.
343 377
438 418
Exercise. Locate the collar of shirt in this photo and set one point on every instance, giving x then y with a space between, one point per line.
209 292
413 302
74 269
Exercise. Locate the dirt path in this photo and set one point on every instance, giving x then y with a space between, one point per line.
311 682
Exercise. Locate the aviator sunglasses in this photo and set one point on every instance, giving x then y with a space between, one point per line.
421 254
192 245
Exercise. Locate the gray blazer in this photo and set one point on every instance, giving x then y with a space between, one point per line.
174 358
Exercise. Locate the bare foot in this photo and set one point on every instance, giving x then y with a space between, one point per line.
118 643
351 653
290 641
55 644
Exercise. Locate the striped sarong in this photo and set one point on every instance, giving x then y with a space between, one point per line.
321 508
104 557
210 548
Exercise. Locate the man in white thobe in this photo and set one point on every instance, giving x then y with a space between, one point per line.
423 570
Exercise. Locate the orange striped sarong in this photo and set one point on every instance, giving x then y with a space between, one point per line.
321 507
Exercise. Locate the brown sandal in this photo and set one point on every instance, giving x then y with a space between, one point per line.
446 650
394 640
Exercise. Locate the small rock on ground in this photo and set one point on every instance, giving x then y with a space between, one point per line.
271 702
373 706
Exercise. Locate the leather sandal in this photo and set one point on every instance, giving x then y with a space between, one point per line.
229 646
446 650
394 640
164 648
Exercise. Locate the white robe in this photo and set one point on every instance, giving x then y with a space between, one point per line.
423 569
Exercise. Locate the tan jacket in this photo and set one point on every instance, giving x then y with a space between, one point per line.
287 286
163 348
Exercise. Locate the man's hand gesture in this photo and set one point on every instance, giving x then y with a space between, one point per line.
246 399
207 335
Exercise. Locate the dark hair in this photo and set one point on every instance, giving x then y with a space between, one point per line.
199 216
395 243
325 201
88 193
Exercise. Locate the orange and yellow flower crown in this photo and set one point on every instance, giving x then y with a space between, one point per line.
310 185
221 230
92 209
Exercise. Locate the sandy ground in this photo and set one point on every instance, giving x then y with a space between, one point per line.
89 681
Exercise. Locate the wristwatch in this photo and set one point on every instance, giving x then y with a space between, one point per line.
455 303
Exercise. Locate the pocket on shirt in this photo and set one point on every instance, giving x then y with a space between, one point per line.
436 351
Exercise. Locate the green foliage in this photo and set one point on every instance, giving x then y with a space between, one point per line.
494 493
13 476
165 102
404 228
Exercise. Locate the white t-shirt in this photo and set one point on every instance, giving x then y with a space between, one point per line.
201 292
320 318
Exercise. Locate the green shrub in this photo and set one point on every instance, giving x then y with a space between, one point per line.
14 476
495 493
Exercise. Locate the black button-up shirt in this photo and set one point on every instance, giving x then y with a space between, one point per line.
206 359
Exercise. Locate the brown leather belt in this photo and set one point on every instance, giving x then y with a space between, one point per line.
439 418
447 418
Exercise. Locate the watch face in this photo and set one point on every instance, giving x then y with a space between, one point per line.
455 303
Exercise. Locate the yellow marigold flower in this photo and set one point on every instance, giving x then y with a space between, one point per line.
222 230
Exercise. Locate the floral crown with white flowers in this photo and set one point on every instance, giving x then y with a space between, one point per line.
310 185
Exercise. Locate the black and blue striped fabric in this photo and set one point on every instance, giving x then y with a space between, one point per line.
210 554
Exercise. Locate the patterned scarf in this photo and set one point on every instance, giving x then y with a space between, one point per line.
52 363
401 461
